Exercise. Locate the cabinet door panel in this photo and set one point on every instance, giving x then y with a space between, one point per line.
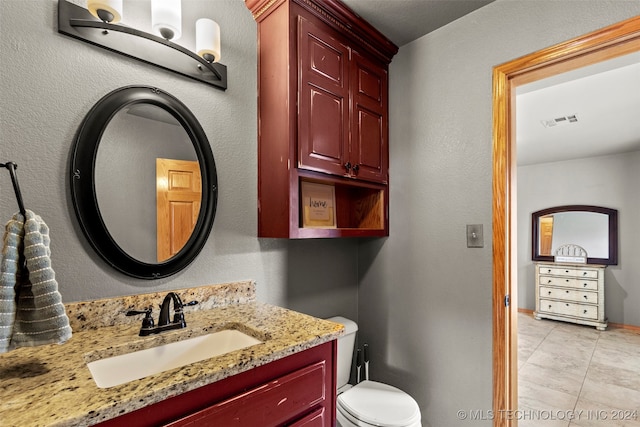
325 139
368 157
323 116
369 148
325 60
369 83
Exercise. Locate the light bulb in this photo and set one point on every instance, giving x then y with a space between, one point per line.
208 39
166 18
106 10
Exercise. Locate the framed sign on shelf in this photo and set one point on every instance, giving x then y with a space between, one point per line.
318 205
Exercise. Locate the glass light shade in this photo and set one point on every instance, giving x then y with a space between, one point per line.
166 18
208 39
113 9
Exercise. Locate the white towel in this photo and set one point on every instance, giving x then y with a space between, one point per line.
31 309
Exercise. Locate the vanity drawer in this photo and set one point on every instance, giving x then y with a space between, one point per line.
281 401
569 272
569 295
568 282
569 309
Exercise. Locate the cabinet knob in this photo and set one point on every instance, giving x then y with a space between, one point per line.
549 292
585 297
585 311
356 168
347 166
567 291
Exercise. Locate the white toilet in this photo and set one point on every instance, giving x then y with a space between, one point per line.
369 403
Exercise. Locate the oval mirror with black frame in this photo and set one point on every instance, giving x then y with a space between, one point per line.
593 228
144 183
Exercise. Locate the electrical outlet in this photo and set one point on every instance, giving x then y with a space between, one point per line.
475 238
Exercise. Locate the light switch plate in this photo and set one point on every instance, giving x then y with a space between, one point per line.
475 238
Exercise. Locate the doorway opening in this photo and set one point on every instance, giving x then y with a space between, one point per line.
610 42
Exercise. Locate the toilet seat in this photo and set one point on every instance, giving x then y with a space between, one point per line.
376 404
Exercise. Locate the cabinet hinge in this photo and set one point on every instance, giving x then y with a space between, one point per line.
507 300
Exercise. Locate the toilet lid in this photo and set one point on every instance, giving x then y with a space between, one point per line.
379 405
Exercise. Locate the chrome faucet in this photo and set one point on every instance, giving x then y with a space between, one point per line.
164 322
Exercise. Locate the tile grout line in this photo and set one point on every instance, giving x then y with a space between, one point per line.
586 372
538 345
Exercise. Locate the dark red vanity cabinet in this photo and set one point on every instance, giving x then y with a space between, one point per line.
323 117
299 390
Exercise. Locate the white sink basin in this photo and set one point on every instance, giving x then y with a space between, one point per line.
116 370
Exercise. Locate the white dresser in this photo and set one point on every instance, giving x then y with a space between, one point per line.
571 292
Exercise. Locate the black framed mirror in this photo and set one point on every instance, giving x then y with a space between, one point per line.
124 194
593 228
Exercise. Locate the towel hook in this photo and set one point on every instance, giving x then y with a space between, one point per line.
11 166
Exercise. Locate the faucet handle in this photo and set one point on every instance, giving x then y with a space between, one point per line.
147 322
178 316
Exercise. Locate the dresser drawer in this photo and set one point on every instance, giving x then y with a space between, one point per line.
569 282
568 309
568 272
569 295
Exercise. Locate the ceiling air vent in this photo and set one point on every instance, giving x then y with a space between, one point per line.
559 121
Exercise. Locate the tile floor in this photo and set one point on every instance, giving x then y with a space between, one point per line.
575 376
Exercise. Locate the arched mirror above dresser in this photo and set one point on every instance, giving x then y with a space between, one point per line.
572 246
594 228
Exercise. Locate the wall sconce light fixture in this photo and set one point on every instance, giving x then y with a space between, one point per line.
157 49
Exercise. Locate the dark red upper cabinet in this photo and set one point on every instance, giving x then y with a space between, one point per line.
323 117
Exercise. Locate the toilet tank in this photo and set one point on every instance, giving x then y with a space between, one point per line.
346 344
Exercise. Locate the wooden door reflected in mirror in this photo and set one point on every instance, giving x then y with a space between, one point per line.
546 235
178 195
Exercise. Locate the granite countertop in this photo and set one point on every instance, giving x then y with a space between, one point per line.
52 386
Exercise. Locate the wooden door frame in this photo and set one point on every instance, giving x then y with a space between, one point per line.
607 43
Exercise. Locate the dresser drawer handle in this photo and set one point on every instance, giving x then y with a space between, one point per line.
585 312
567 305
549 281
584 273
567 291
549 271
549 306
566 271
584 285
585 297
566 280
549 292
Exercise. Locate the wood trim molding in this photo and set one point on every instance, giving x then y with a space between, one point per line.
339 16
633 328
610 42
